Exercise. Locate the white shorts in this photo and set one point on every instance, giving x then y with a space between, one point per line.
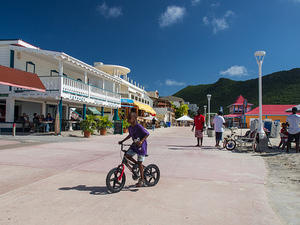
140 158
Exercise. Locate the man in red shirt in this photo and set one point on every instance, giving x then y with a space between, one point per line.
199 124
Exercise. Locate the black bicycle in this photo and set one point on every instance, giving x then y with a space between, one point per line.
116 178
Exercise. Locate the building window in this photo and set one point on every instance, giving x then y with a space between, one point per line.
79 80
30 67
132 97
53 73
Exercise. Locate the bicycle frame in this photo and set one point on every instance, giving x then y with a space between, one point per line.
126 162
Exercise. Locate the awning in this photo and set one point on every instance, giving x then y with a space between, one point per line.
232 116
20 79
126 106
144 107
94 110
126 100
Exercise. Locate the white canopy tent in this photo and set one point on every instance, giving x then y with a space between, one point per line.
150 118
185 118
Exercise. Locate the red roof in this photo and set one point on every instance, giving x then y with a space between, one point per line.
278 110
21 79
240 101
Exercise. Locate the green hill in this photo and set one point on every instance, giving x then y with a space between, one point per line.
278 88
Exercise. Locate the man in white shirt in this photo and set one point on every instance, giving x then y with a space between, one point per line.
293 122
218 124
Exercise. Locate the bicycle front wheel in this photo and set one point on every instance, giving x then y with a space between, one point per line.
152 175
113 182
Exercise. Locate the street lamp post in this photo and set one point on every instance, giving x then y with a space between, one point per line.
208 118
259 55
205 112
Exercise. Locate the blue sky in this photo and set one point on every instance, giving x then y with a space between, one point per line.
167 44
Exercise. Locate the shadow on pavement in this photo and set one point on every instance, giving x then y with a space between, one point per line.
194 147
96 190
183 146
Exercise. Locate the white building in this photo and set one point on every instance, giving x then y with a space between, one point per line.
133 95
69 82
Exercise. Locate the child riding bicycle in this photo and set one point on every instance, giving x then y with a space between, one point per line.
139 135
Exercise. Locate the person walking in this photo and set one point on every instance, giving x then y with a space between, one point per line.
293 122
218 124
199 121
153 123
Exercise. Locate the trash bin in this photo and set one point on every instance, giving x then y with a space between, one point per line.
118 127
210 132
168 124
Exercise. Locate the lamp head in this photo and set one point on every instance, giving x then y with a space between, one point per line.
260 53
205 106
208 96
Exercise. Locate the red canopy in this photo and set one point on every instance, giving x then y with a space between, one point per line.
232 115
21 79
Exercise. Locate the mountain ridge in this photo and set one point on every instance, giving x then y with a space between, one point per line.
281 87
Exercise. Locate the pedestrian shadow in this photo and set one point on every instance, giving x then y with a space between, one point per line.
182 146
97 190
190 147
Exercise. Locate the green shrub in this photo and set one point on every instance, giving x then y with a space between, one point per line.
88 124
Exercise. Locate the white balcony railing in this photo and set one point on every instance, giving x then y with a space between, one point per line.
75 87
70 86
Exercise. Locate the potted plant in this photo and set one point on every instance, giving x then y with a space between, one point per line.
88 126
102 124
126 124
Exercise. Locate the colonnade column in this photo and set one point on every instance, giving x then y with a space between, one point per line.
44 109
10 110
60 106
61 73
84 111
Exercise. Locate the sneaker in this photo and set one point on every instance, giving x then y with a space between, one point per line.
140 183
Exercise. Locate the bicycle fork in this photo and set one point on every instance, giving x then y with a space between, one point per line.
123 168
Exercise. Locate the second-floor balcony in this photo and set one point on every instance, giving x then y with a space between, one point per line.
69 88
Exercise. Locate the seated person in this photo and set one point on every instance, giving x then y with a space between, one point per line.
36 121
25 121
49 119
283 136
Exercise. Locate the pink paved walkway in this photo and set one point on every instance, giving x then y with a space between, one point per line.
64 183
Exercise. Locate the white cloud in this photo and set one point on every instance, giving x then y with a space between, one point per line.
195 2
235 71
109 12
216 4
219 24
172 15
170 82
205 20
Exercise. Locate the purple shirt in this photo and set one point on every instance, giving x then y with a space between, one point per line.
138 131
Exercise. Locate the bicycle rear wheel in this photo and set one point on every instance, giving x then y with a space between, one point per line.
230 145
113 184
151 175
